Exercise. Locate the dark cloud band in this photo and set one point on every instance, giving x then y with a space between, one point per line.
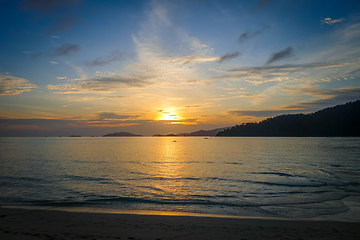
283 54
229 56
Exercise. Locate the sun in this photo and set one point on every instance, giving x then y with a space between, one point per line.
169 117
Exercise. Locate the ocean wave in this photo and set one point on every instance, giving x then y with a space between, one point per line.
86 178
238 203
275 173
233 163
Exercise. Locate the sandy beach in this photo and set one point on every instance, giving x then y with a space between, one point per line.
34 224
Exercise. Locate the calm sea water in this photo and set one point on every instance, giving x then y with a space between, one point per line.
268 177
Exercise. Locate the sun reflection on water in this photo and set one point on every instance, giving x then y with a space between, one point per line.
170 168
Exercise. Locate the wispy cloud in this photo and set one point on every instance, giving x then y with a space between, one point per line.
113 82
283 54
92 98
261 5
346 42
306 73
115 56
65 50
10 85
330 21
48 8
63 23
287 67
191 59
250 35
115 116
322 98
78 69
229 56
155 59
262 113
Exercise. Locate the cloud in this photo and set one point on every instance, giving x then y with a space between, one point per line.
346 42
65 50
114 116
283 54
77 69
326 97
229 56
249 35
261 4
10 85
113 57
46 7
63 23
319 71
190 106
52 62
191 59
49 9
154 52
112 82
265 113
330 21
92 98
243 37
285 68
54 127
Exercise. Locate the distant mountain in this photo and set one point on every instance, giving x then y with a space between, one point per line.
197 133
168 135
121 134
203 132
339 121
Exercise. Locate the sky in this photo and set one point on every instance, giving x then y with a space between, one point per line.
92 67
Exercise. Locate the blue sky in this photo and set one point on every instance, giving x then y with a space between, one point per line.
94 67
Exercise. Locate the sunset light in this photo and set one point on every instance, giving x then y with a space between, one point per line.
167 67
242 113
169 117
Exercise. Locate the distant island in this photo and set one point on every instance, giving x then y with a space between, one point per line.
168 135
339 121
207 133
122 134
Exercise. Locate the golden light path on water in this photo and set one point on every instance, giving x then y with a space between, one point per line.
267 177
170 167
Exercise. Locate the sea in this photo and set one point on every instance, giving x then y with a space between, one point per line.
270 177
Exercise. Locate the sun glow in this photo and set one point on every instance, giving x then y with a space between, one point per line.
169 117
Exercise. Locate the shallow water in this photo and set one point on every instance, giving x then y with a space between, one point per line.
267 177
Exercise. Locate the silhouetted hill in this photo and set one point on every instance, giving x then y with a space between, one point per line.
203 132
121 134
338 121
168 135
197 133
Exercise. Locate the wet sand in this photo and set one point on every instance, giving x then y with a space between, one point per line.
30 224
